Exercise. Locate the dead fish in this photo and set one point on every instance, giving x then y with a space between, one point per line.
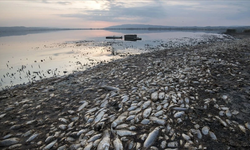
50 145
95 144
151 137
90 133
146 104
92 110
8 142
117 144
110 88
147 112
179 114
180 108
104 104
165 106
130 117
125 98
159 113
122 126
62 120
124 132
221 121
186 137
49 138
132 108
32 137
145 121
82 131
105 142
135 111
95 137
242 128
212 135
99 116
82 106
158 121
119 120
89 146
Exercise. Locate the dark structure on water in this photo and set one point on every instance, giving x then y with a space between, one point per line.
113 37
131 37
128 37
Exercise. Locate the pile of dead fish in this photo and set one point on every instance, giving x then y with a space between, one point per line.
161 100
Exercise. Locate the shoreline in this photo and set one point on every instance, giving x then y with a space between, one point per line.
192 97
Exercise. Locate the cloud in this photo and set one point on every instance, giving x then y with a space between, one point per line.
114 12
56 2
121 12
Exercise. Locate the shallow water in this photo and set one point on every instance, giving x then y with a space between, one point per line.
26 58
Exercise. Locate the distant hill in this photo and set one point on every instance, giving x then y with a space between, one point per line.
137 26
21 30
180 28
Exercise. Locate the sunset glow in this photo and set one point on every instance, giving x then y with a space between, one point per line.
88 13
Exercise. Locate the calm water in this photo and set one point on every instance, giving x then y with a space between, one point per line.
26 58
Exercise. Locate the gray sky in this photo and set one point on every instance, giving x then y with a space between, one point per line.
104 13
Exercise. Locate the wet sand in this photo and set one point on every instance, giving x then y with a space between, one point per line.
189 90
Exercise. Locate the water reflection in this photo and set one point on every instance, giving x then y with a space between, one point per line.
33 57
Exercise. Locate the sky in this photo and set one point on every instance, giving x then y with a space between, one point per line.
104 13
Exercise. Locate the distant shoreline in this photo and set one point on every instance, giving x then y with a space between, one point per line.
20 30
188 28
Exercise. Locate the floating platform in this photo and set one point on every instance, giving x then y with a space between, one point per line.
113 37
131 37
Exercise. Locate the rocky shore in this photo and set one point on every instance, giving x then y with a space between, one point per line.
187 98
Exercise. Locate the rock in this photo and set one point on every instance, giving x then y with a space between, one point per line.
205 130
212 135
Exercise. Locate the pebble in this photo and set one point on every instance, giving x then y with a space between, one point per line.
205 130
212 135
